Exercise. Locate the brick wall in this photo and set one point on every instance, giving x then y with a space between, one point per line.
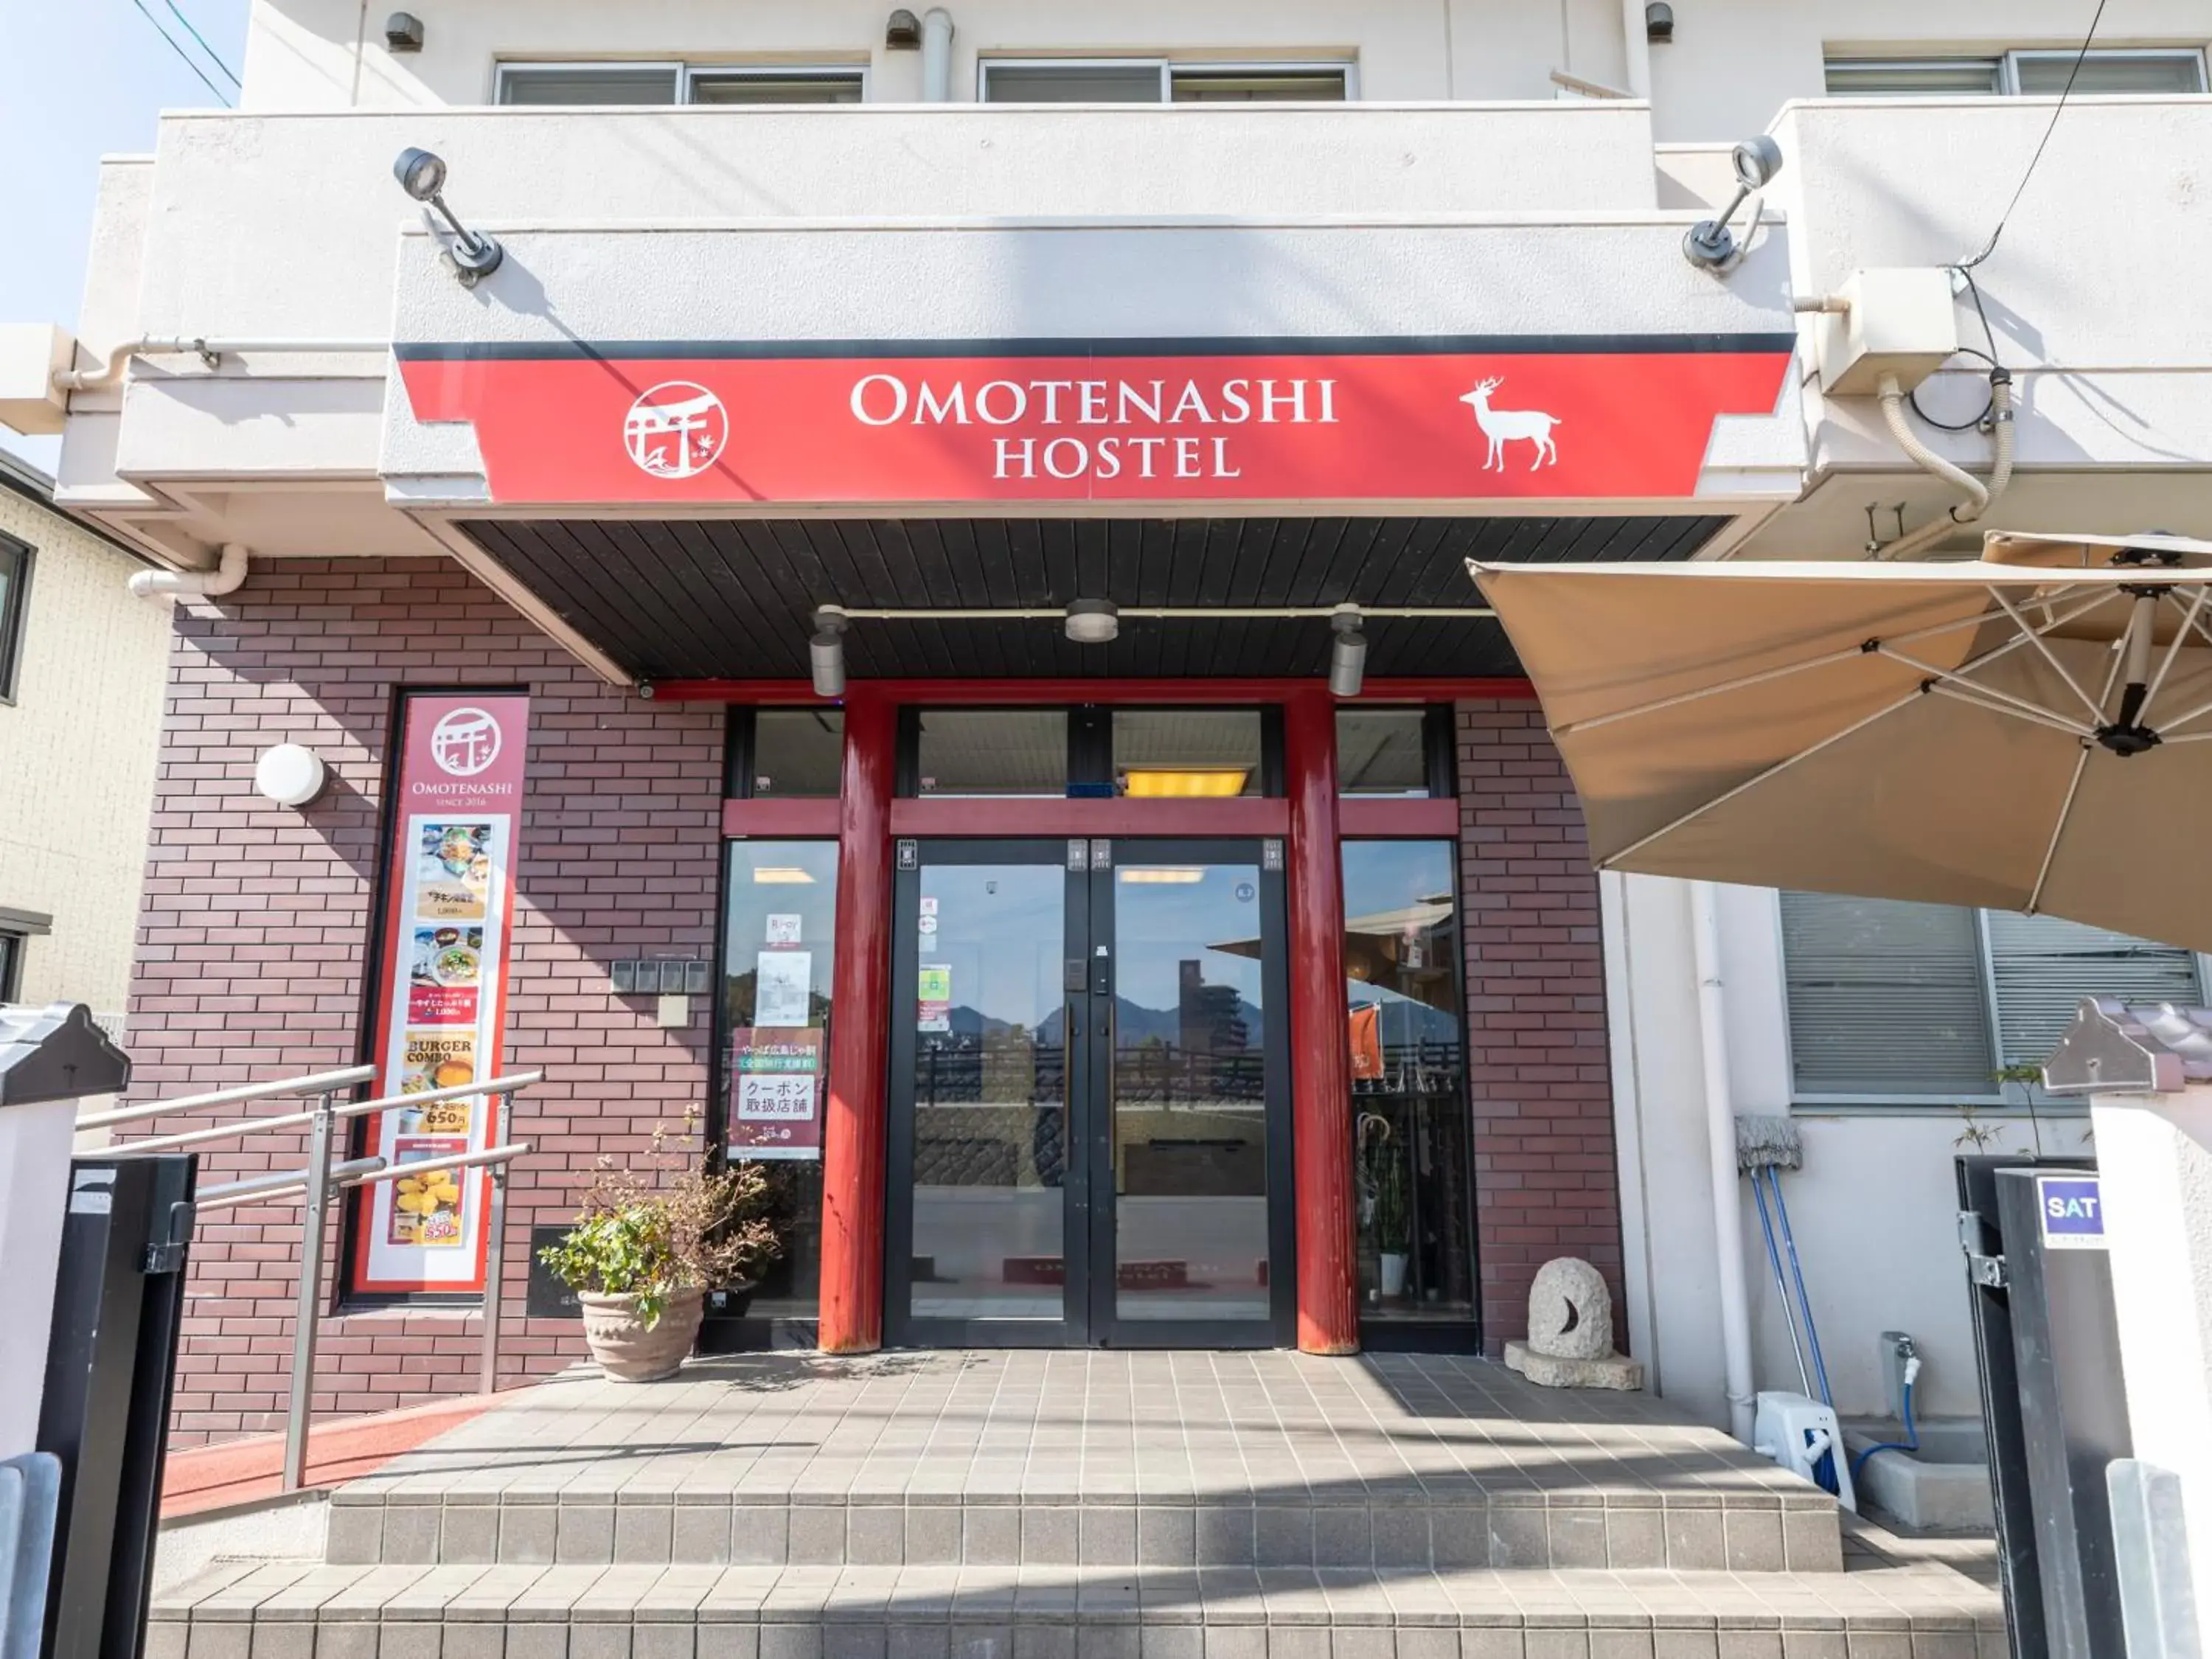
1545 1181
253 919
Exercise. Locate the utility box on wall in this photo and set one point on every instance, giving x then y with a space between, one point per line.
1899 322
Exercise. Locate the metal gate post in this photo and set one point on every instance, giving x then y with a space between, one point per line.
495 1258
300 1407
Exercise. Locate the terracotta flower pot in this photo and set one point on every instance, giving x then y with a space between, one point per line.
625 1350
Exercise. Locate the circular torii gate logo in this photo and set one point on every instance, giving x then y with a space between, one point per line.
676 429
465 741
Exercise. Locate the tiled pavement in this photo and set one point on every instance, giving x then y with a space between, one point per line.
1103 1458
1071 1505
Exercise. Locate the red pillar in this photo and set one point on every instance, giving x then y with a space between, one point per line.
859 1000
1320 1043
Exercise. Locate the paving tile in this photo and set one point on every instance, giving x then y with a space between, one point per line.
356 1533
584 1534
642 1534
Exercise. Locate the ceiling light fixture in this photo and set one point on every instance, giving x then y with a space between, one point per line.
1347 652
1093 621
781 875
422 176
1158 875
826 650
1182 783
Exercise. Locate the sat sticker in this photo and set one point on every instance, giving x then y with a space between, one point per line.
2072 1208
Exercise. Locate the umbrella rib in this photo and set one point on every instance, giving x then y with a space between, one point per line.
2027 712
1750 783
1946 680
1743 681
2035 636
2189 624
2073 788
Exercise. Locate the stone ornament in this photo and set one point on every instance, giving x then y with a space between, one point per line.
1569 1342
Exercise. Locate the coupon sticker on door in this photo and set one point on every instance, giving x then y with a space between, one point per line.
933 997
783 929
929 905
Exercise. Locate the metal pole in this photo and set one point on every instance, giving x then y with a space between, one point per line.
301 1405
495 1257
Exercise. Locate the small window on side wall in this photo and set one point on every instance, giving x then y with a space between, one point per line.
11 965
14 608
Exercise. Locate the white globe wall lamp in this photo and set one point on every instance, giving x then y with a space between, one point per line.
290 774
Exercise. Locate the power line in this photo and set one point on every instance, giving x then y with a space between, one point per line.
186 57
2080 56
211 56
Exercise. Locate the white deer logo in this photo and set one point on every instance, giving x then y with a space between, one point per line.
1501 426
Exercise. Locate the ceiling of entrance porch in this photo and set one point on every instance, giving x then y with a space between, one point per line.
734 599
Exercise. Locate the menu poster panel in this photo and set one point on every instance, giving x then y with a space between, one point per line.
456 816
776 1089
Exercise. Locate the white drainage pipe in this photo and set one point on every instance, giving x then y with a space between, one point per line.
936 56
1720 1134
228 577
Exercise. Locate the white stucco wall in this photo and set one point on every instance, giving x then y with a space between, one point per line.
1730 65
1874 1208
76 759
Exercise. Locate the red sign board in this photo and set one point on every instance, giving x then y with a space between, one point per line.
1064 421
448 911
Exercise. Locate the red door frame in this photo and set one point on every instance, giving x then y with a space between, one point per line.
866 819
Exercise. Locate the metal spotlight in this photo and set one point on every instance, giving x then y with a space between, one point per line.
1093 621
826 650
422 176
1347 652
1708 244
1659 23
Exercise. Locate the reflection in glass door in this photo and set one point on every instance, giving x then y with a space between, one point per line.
1188 1085
978 1230
1089 1094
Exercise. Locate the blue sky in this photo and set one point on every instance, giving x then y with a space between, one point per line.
80 79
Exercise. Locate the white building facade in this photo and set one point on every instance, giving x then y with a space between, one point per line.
277 355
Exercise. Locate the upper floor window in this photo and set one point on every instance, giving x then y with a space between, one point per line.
2017 73
676 83
15 606
1156 81
1923 1004
11 964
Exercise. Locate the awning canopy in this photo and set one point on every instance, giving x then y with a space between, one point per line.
734 599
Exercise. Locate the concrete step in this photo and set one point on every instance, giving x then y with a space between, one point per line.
1782 1526
243 1610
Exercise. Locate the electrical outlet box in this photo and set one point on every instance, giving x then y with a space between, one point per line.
1900 321
30 356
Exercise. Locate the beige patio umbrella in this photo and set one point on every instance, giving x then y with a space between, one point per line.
2031 731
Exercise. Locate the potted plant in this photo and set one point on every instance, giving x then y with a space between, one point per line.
1393 1224
649 1243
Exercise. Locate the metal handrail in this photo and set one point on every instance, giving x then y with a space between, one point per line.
501 1086
314 1084
313 1186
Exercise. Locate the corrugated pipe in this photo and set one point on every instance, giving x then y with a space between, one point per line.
228 577
1978 495
936 56
1720 1135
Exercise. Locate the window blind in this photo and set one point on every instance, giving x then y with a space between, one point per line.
1885 998
2043 967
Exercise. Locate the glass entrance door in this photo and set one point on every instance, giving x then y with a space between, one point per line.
1090 1098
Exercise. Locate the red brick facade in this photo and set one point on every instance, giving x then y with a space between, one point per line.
1544 1180
255 920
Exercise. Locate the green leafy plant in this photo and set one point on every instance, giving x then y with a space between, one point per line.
2027 1076
671 1224
1973 1133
